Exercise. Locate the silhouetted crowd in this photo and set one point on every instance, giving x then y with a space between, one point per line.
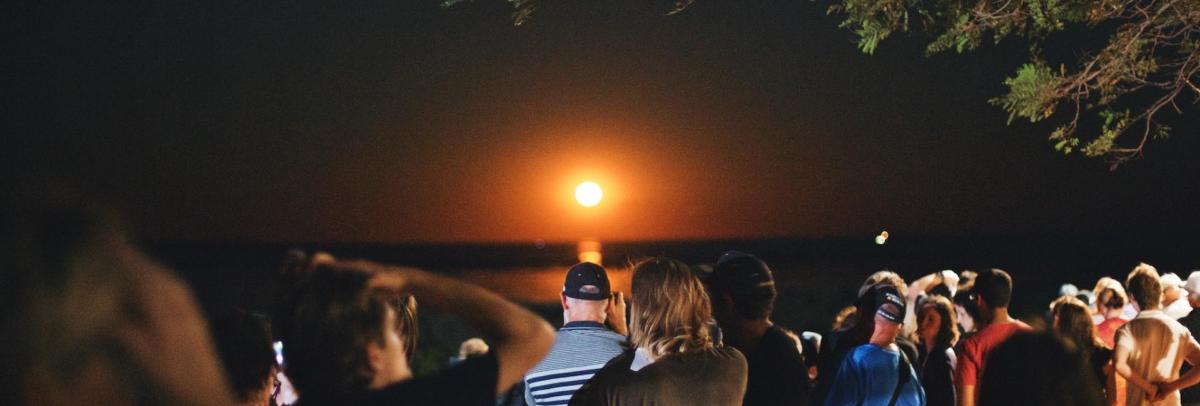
90 319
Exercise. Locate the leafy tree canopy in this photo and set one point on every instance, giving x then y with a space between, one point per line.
1107 103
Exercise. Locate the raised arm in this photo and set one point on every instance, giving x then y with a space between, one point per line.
519 338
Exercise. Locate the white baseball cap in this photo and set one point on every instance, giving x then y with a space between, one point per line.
1171 279
1193 283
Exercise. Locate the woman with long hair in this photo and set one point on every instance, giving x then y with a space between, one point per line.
673 360
1073 321
937 329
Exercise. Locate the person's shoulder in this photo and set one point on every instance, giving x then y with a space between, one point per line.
599 339
728 352
733 361
970 342
1177 328
864 351
950 356
777 342
1155 320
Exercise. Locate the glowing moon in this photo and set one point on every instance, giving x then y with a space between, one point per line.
588 194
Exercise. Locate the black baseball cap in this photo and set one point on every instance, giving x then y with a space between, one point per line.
885 295
741 272
587 281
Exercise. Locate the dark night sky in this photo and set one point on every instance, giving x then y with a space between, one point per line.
400 121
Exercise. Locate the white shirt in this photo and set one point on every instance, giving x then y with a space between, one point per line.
1157 346
1179 308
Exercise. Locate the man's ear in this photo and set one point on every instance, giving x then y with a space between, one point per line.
563 298
375 359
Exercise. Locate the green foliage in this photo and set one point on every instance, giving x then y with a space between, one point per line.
522 9
1155 52
872 21
1031 94
1115 123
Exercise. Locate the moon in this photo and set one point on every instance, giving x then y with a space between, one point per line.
588 194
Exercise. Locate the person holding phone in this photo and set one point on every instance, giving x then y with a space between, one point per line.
584 343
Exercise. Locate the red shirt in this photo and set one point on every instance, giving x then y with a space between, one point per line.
975 349
1107 329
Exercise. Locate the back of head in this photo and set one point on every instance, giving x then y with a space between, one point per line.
244 343
888 314
1073 321
1111 295
845 318
884 277
587 281
1144 287
1037 369
326 321
472 347
66 268
587 290
748 282
865 305
670 308
995 286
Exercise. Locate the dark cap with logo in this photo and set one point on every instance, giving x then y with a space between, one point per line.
886 295
587 281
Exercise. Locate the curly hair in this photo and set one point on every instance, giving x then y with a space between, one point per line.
670 308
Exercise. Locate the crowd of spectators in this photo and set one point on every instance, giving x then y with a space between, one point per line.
88 318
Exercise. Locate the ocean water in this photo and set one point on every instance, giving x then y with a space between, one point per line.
816 277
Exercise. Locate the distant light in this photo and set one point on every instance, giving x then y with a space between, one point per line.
881 238
589 251
588 194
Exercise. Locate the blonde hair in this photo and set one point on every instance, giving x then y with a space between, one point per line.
671 310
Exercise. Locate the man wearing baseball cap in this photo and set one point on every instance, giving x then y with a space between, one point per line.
584 343
878 373
1174 301
742 290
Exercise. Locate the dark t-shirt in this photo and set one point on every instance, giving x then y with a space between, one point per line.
471 382
713 377
777 374
1192 322
936 372
834 347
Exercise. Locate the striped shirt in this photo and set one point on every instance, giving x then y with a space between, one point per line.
580 349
